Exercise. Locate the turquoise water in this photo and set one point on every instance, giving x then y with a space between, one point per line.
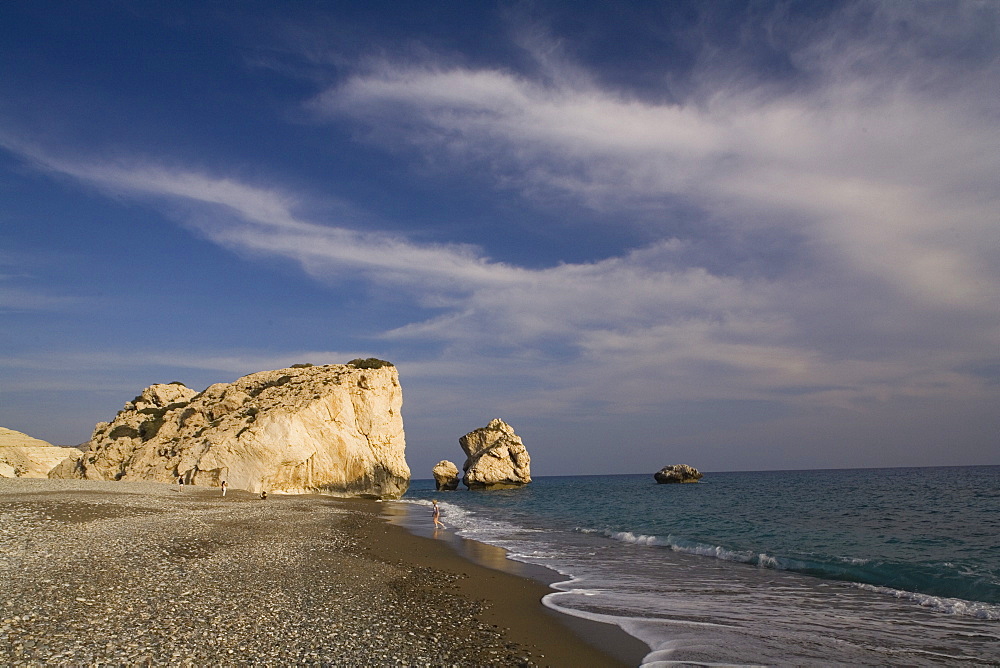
870 566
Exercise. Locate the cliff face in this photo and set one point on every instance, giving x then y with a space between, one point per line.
22 456
332 429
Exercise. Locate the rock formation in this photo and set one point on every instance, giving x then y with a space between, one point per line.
445 475
22 456
677 473
495 457
332 429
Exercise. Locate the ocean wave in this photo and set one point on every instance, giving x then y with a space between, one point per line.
450 511
932 586
870 574
952 606
855 561
677 545
520 542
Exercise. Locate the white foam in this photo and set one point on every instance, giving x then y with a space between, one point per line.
450 511
952 606
570 559
855 561
660 658
581 592
659 663
767 561
636 539
651 631
716 551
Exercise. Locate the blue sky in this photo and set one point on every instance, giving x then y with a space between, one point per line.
737 235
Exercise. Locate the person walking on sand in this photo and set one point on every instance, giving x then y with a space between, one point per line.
437 515
224 487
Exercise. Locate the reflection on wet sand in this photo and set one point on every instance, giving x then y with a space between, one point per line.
487 555
417 519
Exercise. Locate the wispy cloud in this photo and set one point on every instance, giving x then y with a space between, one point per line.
867 162
880 185
19 290
257 219
878 170
27 299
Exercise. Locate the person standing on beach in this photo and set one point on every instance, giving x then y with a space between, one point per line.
437 515
224 487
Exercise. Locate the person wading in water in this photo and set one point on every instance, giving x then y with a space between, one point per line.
437 515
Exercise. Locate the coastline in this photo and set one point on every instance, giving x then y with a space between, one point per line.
115 572
515 591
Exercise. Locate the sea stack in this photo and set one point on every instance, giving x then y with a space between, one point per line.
445 476
22 456
495 457
677 473
334 429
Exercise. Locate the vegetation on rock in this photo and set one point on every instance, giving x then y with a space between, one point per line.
370 363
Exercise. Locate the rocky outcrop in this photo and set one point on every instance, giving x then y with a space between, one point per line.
334 429
22 456
495 457
445 475
677 473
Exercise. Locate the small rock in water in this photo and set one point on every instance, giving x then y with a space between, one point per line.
677 473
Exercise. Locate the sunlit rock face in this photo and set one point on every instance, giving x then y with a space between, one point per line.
445 475
22 456
495 457
334 429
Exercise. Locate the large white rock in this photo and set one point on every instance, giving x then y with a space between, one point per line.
22 456
445 475
495 457
332 429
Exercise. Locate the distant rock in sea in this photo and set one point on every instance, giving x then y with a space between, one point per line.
334 429
22 456
495 457
677 473
445 475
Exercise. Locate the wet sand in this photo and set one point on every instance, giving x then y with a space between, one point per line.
145 573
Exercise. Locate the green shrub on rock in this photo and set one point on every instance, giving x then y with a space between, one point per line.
370 363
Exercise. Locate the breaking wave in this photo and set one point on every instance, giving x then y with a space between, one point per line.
952 606
939 586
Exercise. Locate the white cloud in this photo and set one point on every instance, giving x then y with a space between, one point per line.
883 190
886 165
879 170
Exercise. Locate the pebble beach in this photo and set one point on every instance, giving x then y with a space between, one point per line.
98 573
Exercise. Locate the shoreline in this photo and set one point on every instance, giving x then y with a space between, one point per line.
605 639
144 573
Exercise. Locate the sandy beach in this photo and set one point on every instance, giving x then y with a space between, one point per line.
150 574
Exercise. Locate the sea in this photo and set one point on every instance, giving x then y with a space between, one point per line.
895 566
